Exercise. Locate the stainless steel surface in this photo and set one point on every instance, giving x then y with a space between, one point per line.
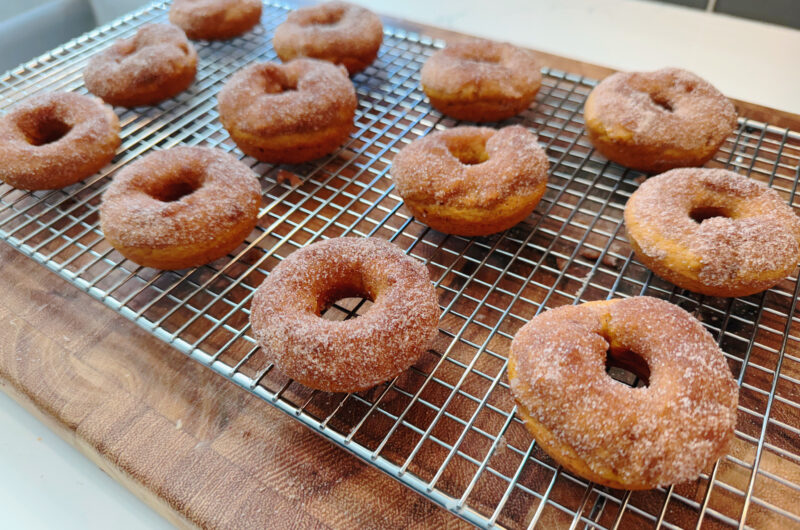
447 427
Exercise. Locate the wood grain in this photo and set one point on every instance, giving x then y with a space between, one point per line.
187 442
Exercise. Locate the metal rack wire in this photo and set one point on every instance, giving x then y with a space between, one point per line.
446 427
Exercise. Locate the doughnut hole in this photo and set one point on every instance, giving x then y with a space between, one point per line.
469 150
125 48
701 213
44 130
487 56
350 306
276 81
330 16
661 101
349 298
179 186
622 364
627 367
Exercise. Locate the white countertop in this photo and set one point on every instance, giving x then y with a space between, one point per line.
45 483
746 60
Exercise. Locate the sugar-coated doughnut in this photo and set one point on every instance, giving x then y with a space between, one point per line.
215 19
180 207
55 139
655 121
155 64
713 232
290 112
480 80
355 354
337 32
472 181
606 431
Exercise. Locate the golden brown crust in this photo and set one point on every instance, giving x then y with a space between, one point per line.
623 437
479 80
337 32
747 239
655 121
293 112
155 64
563 453
55 139
181 207
215 19
358 353
472 180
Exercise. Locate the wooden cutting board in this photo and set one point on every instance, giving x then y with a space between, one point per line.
186 441
199 450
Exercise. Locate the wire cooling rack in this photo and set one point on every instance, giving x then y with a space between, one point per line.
446 427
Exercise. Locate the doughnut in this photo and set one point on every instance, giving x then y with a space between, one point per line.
215 19
355 354
713 232
55 139
337 32
472 181
606 431
180 207
655 121
290 112
479 80
158 62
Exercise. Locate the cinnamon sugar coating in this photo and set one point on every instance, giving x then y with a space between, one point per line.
180 207
634 438
747 238
338 32
155 64
480 80
355 354
655 121
55 139
215 19
289 112
472 180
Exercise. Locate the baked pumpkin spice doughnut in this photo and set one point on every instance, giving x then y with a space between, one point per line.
337 32
55 139
290 112
667 432
215 19
712 231
479 80
655 121
180 207
358 353
158 62
472 181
